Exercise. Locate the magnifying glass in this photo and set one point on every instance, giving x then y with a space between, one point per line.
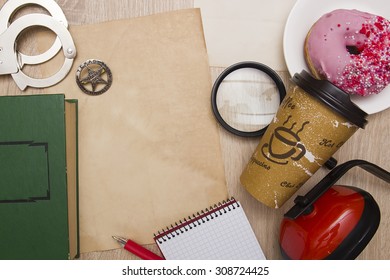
246 97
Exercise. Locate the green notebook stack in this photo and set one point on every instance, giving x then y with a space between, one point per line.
38 177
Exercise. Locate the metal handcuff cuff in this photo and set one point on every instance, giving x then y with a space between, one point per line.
12 61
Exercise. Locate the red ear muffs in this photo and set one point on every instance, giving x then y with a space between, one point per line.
332 222
339 226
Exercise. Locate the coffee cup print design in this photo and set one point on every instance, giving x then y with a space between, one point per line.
303 135
294 149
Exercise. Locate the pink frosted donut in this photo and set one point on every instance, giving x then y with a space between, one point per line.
351 49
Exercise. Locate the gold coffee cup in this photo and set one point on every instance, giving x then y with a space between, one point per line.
314 120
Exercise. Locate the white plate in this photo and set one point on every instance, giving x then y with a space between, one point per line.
304 14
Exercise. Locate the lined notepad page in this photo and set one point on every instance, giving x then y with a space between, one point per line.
223 233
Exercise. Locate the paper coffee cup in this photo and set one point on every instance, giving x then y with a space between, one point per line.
314 120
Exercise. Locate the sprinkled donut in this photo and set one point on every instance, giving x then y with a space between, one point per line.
351 49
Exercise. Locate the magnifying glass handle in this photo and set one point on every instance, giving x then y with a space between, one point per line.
302 203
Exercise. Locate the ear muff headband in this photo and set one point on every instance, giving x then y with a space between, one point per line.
304 203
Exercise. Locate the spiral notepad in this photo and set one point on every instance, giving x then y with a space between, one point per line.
221 232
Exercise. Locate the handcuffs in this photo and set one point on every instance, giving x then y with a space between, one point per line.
12 61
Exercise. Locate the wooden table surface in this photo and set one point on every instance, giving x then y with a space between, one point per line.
371 144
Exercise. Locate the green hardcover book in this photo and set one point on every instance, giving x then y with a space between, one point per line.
38 177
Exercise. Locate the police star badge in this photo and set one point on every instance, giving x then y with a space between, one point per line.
94 77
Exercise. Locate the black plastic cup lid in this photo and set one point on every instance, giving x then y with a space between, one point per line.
332 96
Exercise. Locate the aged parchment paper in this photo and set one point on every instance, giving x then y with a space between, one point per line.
149 149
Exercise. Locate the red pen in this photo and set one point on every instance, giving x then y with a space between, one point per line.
137 249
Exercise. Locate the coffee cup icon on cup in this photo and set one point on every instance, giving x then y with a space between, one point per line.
284 144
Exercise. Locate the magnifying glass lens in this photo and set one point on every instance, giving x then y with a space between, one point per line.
247 99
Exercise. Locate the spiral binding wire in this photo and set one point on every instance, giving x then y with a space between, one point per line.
196 220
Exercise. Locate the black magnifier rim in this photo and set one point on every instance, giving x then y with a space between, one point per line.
246 64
